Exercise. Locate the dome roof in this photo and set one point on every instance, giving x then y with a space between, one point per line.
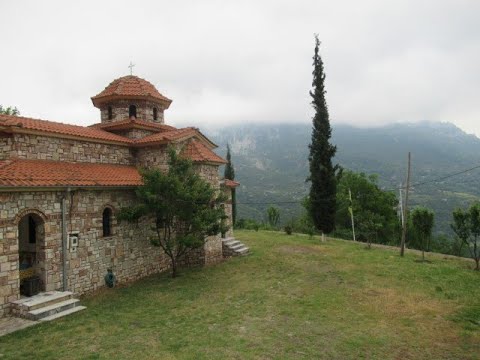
130 87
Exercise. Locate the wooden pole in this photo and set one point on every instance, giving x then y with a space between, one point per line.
351 213
405 211
401 204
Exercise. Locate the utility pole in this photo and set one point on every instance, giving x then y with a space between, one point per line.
351 213
400 199
404 230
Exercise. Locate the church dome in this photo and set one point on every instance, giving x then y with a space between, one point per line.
130 87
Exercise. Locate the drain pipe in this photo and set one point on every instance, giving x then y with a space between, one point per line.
64 239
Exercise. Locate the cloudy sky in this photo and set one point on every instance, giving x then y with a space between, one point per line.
225 62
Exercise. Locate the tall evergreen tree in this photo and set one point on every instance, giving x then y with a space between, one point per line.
230 174
322 201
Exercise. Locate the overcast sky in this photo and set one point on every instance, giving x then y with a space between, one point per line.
225 62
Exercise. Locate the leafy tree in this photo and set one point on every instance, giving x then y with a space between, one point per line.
422 221
461 227
322 204
273 214
373 208
466 226
474 245
443 244
370 226
230 174
288 229
185 208
9 111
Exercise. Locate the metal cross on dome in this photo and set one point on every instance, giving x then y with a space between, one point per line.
131 67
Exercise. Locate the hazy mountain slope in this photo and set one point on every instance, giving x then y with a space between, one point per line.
271 162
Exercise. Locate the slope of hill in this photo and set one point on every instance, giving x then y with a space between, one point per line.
271 162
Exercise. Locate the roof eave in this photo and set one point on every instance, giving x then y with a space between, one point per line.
206 140
129 126
98 101
209 162
19 130
64 187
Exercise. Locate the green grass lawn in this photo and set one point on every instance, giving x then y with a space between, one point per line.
292 298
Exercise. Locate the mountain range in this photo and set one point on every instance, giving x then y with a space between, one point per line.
271 163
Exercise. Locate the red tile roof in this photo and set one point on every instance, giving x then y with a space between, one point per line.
230 183
42 173
129 123
59 128
130 86
167 136
97 132
198 152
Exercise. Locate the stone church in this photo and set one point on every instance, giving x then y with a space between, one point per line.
62 185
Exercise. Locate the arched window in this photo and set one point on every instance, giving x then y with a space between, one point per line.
110 113
155 114
132 111
107 222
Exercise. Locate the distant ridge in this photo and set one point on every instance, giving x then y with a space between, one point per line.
271 162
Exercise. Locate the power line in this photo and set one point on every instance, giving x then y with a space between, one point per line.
421 183
446 177
281 202
434 180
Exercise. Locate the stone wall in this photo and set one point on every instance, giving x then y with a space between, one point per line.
228 210
6 142
49 148
135 133
127 251
213 250
120 111
153 157
209 173
13 206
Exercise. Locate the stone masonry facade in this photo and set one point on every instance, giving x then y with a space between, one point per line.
127 249
35 147
144 110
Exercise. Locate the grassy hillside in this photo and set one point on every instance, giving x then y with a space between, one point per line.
292 298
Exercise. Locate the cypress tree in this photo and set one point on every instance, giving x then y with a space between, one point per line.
322 201
230 174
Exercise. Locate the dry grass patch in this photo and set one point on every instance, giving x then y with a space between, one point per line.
292 298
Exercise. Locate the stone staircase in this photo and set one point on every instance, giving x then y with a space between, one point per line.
46 306
232 247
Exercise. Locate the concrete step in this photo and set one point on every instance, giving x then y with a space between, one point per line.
243 250
237 246
41 300
63 313
53 309
231 242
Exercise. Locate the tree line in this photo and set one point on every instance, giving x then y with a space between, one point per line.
351 205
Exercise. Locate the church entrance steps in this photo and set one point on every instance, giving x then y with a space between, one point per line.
46 306
233 247
64 313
